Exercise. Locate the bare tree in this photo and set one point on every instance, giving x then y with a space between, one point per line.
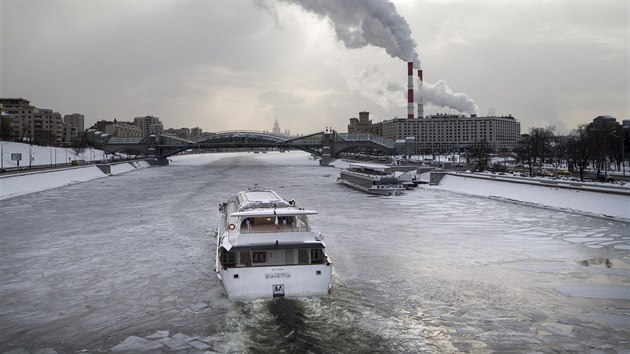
600 139
45 138
579 148
540 144
524 151
6 130
616 147
79 144
480 154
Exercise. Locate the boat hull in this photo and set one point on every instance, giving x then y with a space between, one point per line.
371 189
369 184
242 283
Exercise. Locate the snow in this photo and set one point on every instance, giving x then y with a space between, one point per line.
24 183
121 168
44 155
602 204
340 164
13 185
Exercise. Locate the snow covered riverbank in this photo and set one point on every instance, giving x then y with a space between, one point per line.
613 203
44 155
17 184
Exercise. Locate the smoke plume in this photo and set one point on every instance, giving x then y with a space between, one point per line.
359 23
367 22
440 94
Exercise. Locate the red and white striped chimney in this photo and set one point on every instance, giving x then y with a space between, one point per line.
410 90
420 96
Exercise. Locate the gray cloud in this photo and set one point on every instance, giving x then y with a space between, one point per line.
222 65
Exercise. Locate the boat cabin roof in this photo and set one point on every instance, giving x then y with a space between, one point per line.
263 196
259 198
369 167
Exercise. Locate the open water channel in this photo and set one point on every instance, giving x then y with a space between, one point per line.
125 263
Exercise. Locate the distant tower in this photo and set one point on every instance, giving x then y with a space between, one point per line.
276 127
410 90
420 96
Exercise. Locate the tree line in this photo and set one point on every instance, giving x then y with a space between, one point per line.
602 145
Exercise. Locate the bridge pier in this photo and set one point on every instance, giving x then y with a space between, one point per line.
159 161
326 160
328 147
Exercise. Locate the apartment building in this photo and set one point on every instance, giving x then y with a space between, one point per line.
149 125
450 132
74 125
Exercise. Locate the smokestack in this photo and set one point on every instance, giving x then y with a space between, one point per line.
410 90
420 96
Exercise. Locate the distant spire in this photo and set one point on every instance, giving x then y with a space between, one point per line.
276 127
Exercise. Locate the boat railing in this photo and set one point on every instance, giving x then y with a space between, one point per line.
258 229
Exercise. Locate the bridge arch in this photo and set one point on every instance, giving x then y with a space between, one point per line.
327 144
244 135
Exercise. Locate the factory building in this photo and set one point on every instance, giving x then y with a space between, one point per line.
451 132
440 132
446 132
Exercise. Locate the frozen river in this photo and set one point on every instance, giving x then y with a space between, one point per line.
125 263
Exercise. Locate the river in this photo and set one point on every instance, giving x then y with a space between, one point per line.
125 263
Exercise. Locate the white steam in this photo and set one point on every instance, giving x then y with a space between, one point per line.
367 22
440 94
359 23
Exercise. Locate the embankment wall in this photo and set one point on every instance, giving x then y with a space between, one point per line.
570 196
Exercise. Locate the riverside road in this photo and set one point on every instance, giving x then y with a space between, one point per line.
125 264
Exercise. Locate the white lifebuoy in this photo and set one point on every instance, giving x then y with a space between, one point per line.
231 226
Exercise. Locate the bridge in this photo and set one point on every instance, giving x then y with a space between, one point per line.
327 144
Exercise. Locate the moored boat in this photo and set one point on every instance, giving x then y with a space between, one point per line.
371 178
266 248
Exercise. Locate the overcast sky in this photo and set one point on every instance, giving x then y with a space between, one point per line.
226 65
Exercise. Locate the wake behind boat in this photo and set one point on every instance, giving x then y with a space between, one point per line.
266 248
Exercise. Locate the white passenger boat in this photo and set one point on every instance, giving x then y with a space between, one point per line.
371 178
266 248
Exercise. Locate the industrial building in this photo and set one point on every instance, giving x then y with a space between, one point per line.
444 132
440 132
451 132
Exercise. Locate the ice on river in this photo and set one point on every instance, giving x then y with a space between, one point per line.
125 264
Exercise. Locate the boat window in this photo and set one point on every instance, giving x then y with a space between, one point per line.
259 257
228 258
317 256
302 256
302 223
273 224
246 225
245 258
